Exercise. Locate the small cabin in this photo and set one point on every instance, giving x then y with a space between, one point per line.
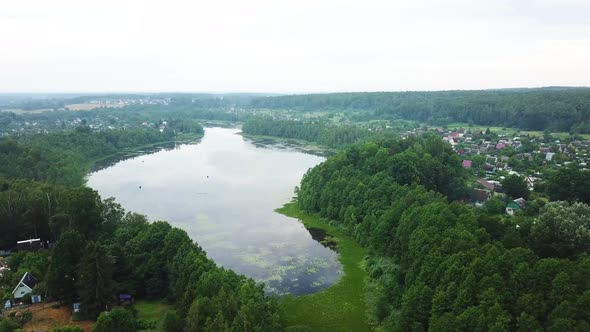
30 245
25 286
516 205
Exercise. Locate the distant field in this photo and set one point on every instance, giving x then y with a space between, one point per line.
90 106
19 111
507 131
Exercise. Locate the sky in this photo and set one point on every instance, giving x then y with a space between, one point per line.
297 46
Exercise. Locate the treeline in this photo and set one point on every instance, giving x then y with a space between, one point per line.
531 109
64 157
443 266
99 251
324 134
179 110
132 115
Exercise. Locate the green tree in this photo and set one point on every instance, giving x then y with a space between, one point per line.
95 281
194 317
63 271
515 186
562 230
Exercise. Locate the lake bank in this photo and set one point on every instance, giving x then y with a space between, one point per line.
341 307
96 164
297 144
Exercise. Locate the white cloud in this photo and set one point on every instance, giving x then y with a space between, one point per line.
291 46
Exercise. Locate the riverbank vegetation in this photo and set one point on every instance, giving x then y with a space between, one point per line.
436 264
341 307
323 134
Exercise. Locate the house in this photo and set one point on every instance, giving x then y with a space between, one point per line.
25 286
516 205
486 184
467 163
549 156
500 146
30 244
489 168
480 196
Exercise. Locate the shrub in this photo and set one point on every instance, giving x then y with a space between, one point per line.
172 323
117 320
7 325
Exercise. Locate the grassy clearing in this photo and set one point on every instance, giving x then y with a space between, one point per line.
341 307
152 311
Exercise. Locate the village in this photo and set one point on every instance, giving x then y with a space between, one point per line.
491 157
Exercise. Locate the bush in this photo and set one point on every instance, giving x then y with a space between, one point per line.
172 323
7 325
117 320
144 324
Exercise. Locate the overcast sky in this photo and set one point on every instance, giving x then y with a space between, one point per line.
291 46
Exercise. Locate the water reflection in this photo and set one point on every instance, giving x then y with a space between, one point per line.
223 192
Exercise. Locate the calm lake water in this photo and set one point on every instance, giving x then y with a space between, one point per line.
223 192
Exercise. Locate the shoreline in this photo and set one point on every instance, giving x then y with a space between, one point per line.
341 307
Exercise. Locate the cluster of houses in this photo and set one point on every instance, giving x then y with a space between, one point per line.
119 102
20 127
490 157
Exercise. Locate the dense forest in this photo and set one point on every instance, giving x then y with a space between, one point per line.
98 250
439 265
63 157
324 134
553 109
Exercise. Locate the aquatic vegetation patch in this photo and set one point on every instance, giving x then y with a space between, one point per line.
319 312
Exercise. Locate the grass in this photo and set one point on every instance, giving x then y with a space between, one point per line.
153 311
341 307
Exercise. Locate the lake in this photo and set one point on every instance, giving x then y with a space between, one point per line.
223 191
